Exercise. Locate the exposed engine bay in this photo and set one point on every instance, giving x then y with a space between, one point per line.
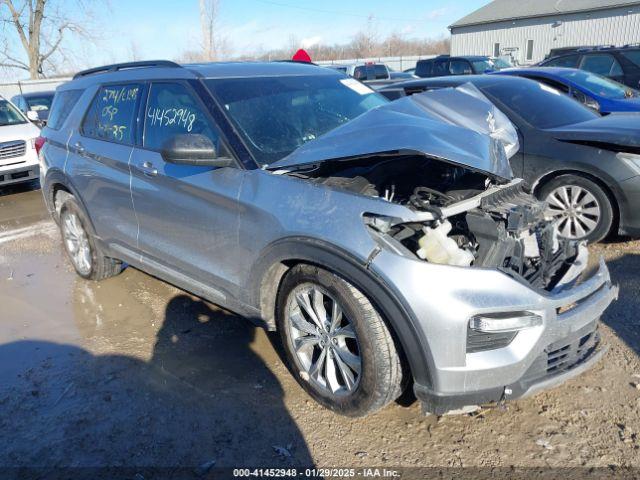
466 218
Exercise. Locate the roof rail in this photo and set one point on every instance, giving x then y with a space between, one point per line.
631 45
123 66
595 47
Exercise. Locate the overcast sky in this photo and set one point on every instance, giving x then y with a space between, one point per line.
165 29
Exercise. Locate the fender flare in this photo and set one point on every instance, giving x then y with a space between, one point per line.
390 304
57 177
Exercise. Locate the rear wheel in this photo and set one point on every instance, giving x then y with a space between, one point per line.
580 207
337 345
85 256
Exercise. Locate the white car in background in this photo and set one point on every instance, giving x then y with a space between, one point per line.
18 155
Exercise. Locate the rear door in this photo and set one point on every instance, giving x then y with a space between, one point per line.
188 215
98 161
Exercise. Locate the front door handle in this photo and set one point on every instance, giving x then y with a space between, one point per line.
149 170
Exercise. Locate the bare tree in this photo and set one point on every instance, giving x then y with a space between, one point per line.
40 28
214 42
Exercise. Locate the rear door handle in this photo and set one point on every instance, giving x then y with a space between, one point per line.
148 169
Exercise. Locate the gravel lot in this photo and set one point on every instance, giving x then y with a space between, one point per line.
134 372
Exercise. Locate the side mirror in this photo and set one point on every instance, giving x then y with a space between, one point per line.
192 149
33 115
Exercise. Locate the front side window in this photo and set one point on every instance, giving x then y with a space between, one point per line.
460 67
10 115
112 113
602 64
481 66
276 115
172 110
601 86
569 61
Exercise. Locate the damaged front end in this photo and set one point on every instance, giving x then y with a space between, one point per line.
442 155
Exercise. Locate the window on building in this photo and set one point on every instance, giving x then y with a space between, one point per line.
529 50
496 49
602 64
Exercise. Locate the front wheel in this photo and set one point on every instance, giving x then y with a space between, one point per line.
580 207
337 345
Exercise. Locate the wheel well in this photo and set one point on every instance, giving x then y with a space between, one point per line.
55 189
270 288
542 181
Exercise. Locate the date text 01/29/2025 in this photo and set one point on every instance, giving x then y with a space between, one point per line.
316 473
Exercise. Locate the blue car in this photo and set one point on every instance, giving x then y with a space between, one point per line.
595 91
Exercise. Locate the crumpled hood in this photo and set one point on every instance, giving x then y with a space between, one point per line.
616 128
410 125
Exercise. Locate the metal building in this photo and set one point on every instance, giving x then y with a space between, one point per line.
527 29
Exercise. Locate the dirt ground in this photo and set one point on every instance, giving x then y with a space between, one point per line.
134 372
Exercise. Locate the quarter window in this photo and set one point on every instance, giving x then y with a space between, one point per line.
172 110
632 56
602 64
112 114
63 103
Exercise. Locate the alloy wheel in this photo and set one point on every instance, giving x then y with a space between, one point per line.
323 340
77 243
575 209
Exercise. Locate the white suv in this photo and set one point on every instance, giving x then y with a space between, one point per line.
18 155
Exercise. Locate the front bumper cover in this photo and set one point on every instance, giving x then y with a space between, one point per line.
444 298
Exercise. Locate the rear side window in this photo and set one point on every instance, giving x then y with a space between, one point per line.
440 68
112 113
172 110
360 73
570 61
602 64
423 68
63 103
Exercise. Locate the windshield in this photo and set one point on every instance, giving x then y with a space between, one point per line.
40 103
500 63
9 115
538 104
276 115
600 85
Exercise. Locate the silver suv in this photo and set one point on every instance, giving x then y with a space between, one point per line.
386 246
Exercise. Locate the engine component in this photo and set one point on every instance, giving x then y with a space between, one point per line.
437 247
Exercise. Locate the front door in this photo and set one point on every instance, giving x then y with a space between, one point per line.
188 215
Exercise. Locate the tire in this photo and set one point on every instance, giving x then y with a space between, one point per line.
93 265
590 218
341 388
